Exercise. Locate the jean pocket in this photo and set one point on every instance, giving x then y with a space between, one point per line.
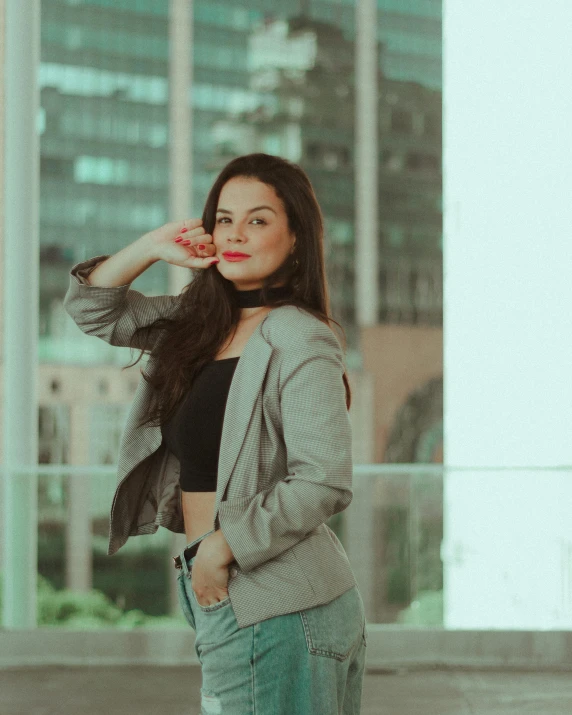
213 606
333 629
184 601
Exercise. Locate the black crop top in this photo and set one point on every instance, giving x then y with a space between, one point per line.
194 431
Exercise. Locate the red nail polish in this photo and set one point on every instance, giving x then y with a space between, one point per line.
184 230
202 246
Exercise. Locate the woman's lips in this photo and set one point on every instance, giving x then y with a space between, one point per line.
234 258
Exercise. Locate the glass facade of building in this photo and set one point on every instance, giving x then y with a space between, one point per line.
105 127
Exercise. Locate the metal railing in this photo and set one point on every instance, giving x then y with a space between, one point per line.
431 546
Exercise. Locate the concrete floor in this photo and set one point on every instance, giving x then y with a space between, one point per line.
153 690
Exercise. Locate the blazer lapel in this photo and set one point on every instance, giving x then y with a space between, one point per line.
244 389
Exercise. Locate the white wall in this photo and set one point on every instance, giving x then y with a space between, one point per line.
508 312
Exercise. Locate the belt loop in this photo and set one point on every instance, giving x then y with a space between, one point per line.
185 566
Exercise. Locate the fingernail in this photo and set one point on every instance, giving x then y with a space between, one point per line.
202 246
184 230
178 239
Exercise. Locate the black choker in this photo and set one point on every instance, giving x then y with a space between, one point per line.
253 298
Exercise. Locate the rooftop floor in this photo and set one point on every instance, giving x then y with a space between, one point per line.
148 690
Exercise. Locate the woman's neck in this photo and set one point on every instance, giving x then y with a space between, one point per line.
251 304
247 313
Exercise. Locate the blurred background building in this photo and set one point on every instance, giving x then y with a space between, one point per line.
277 78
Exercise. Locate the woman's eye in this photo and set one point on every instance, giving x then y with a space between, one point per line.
225 218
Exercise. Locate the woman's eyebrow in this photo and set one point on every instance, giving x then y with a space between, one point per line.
257 208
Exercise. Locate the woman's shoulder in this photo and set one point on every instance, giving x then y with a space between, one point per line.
293 317
290 326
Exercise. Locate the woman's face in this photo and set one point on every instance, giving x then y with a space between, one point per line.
250 219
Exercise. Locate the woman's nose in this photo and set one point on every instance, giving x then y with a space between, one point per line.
237 234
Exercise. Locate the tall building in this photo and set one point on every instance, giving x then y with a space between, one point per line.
308 66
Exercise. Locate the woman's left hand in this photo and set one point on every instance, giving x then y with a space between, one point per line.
209 575
209 582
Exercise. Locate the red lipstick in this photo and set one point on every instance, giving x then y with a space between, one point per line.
235 256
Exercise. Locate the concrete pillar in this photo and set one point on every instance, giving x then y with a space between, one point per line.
21 46
359 516
181 163
508 320
2 204
180 124
366 163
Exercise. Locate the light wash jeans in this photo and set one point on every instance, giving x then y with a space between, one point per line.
309 662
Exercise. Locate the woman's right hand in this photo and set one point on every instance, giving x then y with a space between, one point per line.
186 253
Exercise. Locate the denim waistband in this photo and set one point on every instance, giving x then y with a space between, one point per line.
188 553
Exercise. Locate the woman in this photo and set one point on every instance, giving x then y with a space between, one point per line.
239 436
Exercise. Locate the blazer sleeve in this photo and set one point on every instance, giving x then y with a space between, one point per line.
318 438
114 313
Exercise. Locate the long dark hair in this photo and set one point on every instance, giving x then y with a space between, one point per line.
208 311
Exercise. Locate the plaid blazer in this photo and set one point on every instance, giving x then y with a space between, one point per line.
285 463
